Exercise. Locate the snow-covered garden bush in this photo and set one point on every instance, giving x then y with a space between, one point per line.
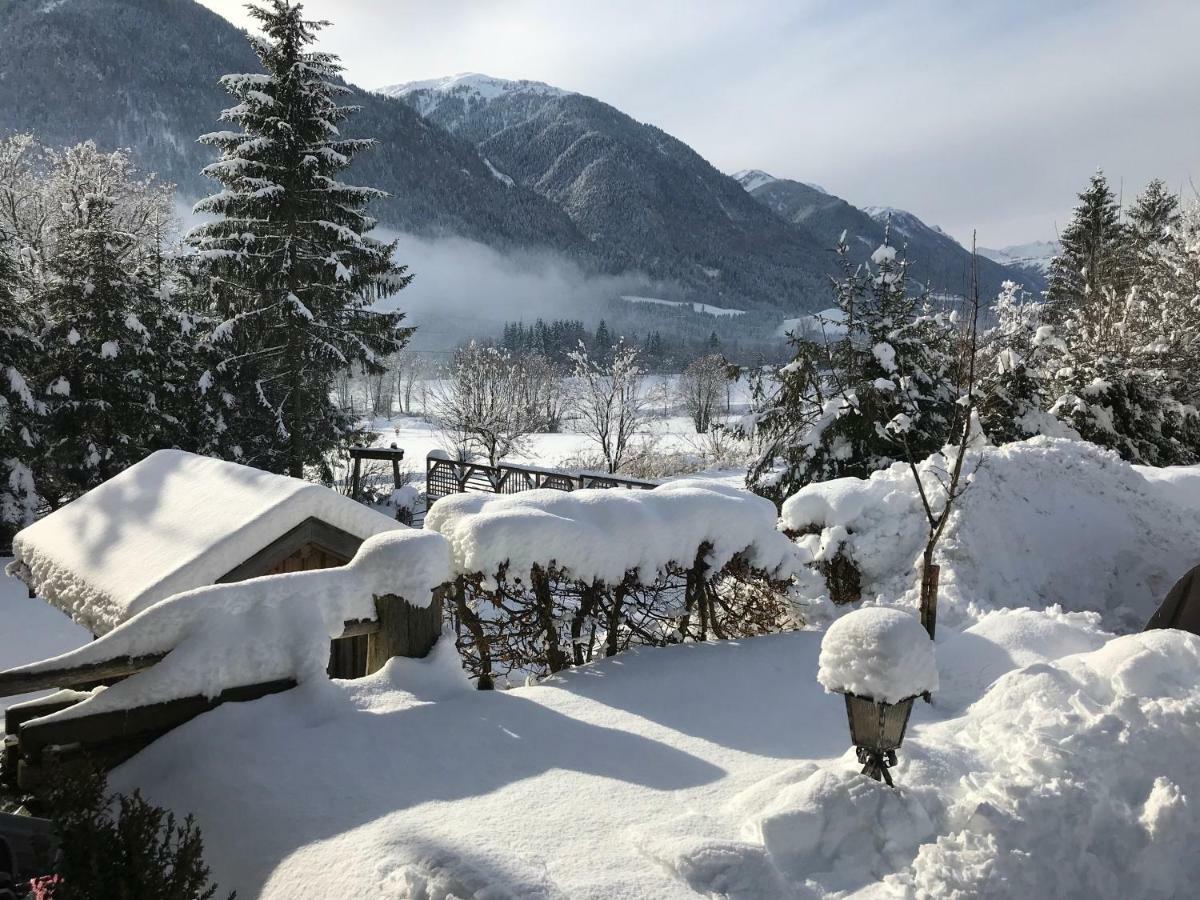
879 653
1045 521
547 580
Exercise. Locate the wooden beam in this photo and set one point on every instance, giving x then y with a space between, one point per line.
141 724
90 674
16 716
12 683
385 453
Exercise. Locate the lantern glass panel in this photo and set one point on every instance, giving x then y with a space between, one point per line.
876 725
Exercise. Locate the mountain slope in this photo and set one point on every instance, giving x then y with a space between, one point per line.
645 199
1035 256
938 261
143 74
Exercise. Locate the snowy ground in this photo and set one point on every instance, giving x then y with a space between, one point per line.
1055 761
719 769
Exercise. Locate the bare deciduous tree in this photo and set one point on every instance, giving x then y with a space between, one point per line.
701 389
410 369
378 388
609 401
478 405
952 483
542 392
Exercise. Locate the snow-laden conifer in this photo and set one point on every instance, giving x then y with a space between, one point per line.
20 410
102 373
295 271
859 389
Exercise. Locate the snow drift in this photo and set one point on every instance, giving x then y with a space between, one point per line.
1043 522
263 629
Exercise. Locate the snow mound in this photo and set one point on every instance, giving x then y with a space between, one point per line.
877 652
264 629
1044 522
1090 783
836 827
598 534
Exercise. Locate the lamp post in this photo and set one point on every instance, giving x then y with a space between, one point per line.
879 659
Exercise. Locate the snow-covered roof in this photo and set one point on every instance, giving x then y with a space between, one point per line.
173 522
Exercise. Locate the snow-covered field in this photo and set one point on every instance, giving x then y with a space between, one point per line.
668 430
1056 759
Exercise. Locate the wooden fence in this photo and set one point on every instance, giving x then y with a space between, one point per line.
444 477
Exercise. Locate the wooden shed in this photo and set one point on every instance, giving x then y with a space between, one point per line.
177 521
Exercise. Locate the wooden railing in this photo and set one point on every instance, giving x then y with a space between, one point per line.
444 476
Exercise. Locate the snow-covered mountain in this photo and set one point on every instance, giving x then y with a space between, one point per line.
470 87
510 164
938 261
143 74
752 179
646 200
1035 256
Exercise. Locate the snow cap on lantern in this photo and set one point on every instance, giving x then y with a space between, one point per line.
879 653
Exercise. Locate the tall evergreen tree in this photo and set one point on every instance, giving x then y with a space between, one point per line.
100 370
295 271
602 344
1093 264
1153 216
20 410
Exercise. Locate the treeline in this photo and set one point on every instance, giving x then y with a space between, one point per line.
560 339
1110 354
114 342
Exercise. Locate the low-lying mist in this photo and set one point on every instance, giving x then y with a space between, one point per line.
466 289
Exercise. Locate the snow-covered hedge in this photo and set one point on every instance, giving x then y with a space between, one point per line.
1044 521
605 534
549 579
263 629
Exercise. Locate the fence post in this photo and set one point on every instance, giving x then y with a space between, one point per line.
404 629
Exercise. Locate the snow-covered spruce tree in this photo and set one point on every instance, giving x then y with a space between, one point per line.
1015 368
99 373
294 271
20 410
1093 266
1113 340
856 392
1153 216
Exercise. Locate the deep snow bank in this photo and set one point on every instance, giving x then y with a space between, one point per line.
1045 521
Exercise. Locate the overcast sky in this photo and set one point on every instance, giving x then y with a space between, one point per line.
987 115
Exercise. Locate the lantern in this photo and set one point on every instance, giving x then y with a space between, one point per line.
877 730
